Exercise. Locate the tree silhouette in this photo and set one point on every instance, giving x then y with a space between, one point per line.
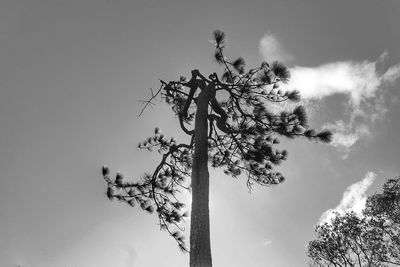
372 239
233 120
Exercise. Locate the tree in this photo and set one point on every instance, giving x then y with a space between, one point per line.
233 127
383 209
368 240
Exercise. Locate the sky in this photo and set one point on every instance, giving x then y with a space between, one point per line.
72 74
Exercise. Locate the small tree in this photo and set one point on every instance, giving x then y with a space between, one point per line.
233 127
368 240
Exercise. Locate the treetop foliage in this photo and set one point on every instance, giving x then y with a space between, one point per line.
242 134
372 239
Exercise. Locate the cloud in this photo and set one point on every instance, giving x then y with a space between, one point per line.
346 136
354 198
357 80
392 74
266 243
361 83
271 49
383 56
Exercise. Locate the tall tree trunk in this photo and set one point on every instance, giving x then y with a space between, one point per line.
200 248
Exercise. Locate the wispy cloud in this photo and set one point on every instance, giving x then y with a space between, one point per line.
358 80
392 74
364 87
266 242
271 49
354 198
346 135
361 82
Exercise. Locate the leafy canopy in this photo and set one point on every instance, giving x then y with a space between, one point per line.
372 239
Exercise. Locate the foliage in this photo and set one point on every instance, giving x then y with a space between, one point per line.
241 134
368 240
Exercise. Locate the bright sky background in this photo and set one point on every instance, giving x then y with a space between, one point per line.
71 75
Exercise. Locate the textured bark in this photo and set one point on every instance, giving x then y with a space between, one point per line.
200 248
